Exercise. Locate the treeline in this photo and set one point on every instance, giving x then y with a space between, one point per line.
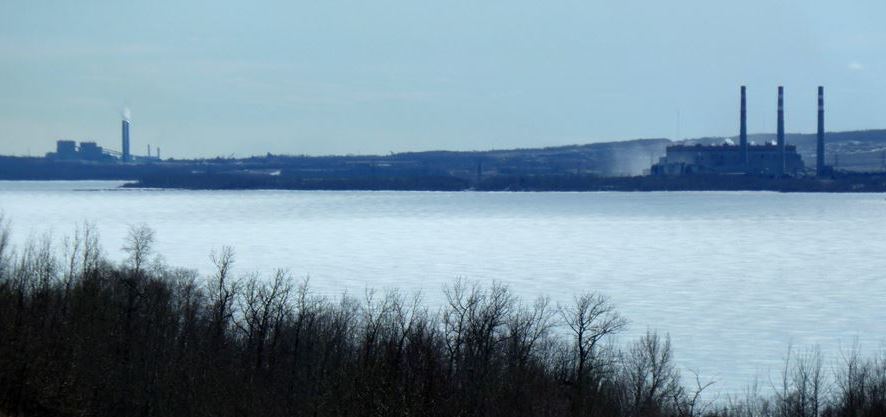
82 336
241 181
840 182
30 168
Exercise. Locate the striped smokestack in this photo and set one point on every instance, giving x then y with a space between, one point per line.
780 132
819 151
743 128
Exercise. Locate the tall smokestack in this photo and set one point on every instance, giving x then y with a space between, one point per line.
743 128
126 155
780 132
819 151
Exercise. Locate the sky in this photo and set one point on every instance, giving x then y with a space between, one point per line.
238 78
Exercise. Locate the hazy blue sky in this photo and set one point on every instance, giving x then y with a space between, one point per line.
239 77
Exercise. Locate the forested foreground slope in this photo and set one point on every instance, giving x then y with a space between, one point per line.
80 335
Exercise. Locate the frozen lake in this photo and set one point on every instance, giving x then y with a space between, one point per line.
734 277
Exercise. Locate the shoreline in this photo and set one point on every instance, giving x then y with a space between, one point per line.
841 183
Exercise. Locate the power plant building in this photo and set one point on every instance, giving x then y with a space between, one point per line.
764 160
86 151
66 149
770 159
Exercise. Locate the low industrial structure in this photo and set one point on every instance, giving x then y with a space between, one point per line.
69 150
769 159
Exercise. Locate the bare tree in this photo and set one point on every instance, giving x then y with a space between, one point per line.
487 320
82 254
694 405
749 403
263 307
591 318
222 291
40 264
802 384
139 245
374 314
461 301
526 327
851 380
809 379
651 377
4 246
91 249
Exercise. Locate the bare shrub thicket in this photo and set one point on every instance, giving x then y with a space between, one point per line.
82 336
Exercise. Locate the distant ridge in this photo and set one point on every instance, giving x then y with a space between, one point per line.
863 150
871 135
856 150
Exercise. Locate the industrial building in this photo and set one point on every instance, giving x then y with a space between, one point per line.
767 159
770 159
85 151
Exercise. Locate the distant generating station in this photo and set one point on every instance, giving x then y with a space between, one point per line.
70 150
768 159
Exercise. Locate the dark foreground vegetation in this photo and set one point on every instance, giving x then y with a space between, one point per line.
81 336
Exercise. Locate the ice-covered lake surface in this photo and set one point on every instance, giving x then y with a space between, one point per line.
733 277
